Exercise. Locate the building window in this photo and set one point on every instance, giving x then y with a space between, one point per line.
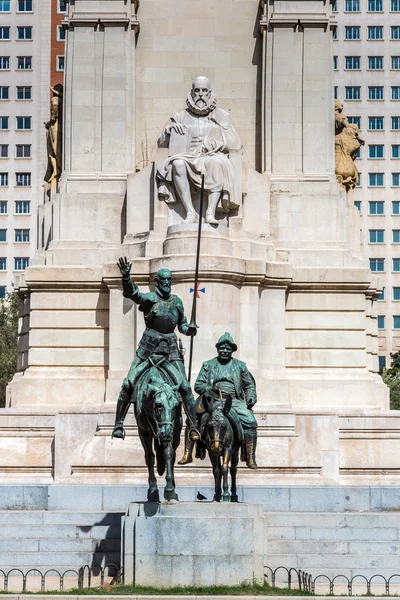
375 6
376 123
396 207
376 179
61 34
335 92
381 321
22 207
24 92
24 33
375 93
352 6
357 204
396 236
4 33
395 32
395 92
335 62
334 33
355 120
60 63
395 5
395 123
377 264
23 179
382 362
395 179
376 236
396 322
4 123
376 151
3 263
4 63
4 92
352 63
396 293
21 235
358 184
25 6
353 93
5 6
375 32
395 151
3 235
3 207
352 32
23 151
62 6
24 63
395 63
396 265
3 179
382 296
377 207
334 7
3 150
21 263
24 123
375 63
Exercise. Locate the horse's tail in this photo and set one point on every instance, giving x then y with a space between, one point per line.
160 458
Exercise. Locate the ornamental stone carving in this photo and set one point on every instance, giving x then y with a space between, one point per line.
347 144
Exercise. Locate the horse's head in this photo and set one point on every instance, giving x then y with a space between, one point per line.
165 402
217 424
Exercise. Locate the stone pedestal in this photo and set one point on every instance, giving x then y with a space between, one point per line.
193 544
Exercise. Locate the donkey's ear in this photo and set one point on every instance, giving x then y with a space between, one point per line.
227 405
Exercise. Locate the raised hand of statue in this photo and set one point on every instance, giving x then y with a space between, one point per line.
125 267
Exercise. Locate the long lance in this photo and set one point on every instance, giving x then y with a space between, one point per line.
196 278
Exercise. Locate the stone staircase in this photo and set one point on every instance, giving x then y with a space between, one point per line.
341 543
58 540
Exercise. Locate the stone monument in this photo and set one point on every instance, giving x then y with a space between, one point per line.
281 266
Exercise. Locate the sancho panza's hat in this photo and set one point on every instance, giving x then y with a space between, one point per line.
226 339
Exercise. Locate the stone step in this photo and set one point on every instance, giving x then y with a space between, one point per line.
59 545
97 532
294 547
321 562
56 560
339 519
54 517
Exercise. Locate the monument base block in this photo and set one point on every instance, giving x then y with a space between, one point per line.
193 544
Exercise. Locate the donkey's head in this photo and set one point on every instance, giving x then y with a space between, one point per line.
217 425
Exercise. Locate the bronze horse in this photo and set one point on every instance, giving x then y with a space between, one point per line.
158 413
222 444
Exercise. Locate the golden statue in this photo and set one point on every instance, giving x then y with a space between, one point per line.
54 137
347 143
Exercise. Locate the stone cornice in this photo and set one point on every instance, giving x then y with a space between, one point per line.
101 20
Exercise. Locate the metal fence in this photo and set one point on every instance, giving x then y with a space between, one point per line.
53 580
298 579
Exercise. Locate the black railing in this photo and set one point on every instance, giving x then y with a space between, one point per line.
84 577
306 583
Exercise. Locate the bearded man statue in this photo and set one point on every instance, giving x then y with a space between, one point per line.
199 140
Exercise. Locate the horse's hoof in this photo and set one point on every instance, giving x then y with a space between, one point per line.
234 498
217 498
153 496
226 498
171 496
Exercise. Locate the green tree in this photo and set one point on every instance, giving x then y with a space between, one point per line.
391 377
9 308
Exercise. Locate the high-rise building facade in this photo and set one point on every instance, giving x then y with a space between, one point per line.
366 59
31 59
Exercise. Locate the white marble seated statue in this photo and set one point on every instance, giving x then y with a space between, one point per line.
199 139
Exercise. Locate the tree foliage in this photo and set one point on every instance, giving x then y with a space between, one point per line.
9 308
391 377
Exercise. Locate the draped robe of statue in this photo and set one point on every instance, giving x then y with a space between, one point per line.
204 148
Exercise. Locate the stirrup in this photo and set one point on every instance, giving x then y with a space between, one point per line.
194 434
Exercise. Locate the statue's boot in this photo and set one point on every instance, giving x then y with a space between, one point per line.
251 444
122 410
189 446
213 200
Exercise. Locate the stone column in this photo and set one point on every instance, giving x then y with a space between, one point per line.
297 88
